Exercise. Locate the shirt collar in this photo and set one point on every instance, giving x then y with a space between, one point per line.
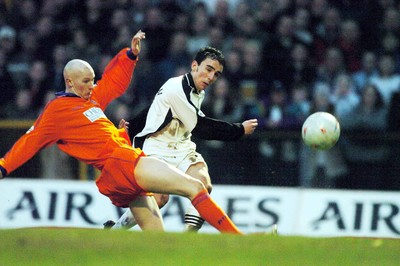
65 94
190 82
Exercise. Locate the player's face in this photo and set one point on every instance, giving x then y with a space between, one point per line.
84 83
206 73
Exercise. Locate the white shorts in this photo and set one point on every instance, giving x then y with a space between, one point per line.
182 162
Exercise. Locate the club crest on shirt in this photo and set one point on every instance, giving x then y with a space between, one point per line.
94 113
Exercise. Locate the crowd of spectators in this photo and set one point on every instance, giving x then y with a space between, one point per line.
284 60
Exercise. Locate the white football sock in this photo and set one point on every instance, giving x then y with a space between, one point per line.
126 221
193 220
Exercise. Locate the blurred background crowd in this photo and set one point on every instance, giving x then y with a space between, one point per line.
284 60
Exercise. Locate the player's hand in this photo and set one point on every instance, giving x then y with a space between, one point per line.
249 126
135 43
123 124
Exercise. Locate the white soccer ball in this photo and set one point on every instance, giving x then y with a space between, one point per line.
320 131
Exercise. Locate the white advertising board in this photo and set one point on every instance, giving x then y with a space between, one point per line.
307 212
349 213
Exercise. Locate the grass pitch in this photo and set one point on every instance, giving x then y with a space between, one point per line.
70 246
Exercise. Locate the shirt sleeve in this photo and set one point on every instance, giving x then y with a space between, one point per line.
116 78
213 129
40 135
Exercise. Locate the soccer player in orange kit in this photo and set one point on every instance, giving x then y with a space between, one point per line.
76 122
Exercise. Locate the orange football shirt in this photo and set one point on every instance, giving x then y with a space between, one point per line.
79 127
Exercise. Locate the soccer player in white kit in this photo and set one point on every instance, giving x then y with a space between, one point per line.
164 129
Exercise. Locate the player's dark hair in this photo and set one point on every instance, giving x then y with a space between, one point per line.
210 52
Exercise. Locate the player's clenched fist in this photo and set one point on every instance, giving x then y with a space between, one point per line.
249 126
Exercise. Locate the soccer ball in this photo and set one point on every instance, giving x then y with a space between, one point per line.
320 131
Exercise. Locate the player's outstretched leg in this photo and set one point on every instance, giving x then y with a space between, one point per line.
174 181
213 213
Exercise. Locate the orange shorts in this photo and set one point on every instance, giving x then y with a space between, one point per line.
117 179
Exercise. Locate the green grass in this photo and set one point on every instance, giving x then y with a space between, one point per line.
67 246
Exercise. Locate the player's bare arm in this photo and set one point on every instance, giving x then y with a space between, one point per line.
249 126
135 43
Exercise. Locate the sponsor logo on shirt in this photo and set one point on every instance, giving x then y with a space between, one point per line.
94 113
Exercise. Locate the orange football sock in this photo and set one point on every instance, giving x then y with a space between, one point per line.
213 214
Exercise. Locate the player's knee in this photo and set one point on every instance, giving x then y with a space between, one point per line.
206 182
191 188
208 187
197 187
